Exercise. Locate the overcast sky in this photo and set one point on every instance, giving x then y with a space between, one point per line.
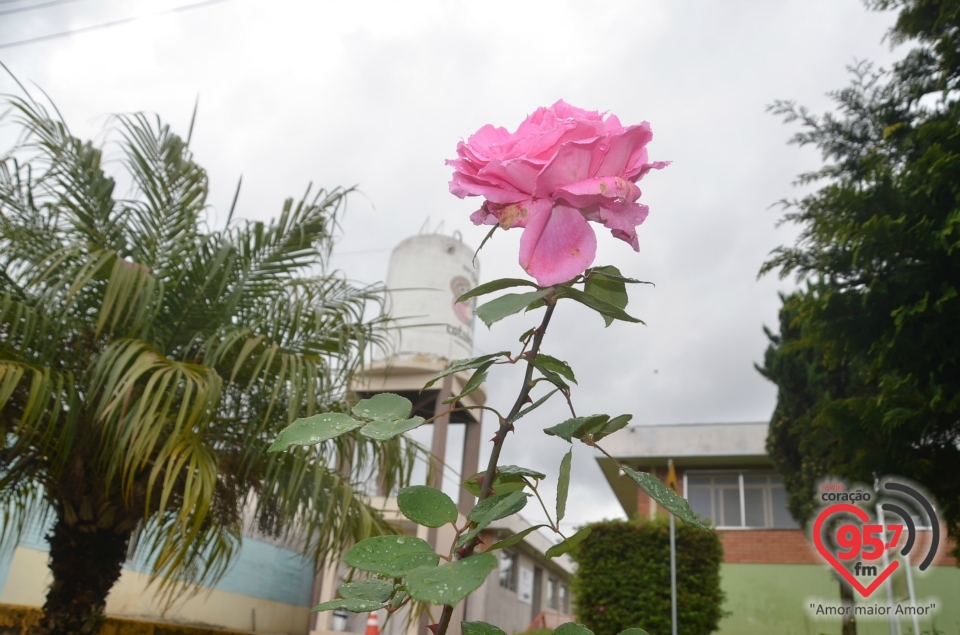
377 94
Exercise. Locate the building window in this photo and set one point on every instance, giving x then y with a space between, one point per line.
552 594
739 499
508 570
564 599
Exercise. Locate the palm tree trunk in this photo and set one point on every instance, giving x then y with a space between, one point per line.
849 624
86 562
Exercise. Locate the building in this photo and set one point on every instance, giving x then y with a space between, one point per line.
771 571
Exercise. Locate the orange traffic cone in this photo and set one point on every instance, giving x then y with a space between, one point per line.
373 626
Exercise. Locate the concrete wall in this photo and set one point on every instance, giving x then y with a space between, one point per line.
502 607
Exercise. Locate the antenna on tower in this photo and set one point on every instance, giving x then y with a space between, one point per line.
423 228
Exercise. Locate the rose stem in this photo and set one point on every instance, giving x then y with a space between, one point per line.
498 440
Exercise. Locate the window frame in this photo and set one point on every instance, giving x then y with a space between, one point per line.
514 569
767 495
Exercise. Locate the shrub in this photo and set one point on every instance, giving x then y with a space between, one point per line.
623 578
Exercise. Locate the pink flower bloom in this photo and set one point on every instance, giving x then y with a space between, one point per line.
562 168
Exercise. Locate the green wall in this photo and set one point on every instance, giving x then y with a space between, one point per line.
774 599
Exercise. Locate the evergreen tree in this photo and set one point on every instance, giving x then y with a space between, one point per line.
867 361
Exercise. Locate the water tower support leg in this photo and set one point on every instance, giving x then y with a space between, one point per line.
438 448
471 460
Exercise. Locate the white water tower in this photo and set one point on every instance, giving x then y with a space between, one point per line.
427 274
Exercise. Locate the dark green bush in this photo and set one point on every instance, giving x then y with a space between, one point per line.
623 578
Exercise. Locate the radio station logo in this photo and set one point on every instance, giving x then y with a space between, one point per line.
862 547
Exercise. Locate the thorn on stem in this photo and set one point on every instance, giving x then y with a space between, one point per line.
528 399
433 628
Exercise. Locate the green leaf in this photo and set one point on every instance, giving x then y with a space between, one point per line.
385 430
612 426
383 407
671 501
372 590
495 285
527 334
571 628
563 484
509 541
633 631
491 509
497 507
502 484
514 470
426 506
313 430
601 307
476 380
576 427
479 628
554 365
536 404
463 364
607 289
392 556
496 310
607 272
450 583
351 604
569 543
397 599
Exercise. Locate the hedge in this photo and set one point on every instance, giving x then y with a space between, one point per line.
623 578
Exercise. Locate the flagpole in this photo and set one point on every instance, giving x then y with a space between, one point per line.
673 557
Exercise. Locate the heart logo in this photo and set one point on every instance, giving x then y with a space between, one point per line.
832 559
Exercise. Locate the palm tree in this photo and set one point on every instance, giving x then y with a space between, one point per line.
147 361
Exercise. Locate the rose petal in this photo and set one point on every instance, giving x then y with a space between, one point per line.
572 164
646 167
557 244
518 174
623 151
622 222
463 185
483 217
604 191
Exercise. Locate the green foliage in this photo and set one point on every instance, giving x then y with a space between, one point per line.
479 628
426 506
610 290
451 582
671 501
508 304
568 545
148 358
391 556
867 360
623 578
375 590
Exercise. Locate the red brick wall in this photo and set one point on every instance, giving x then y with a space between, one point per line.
768 546
790 546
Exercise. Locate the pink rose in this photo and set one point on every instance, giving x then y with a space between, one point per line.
562 168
